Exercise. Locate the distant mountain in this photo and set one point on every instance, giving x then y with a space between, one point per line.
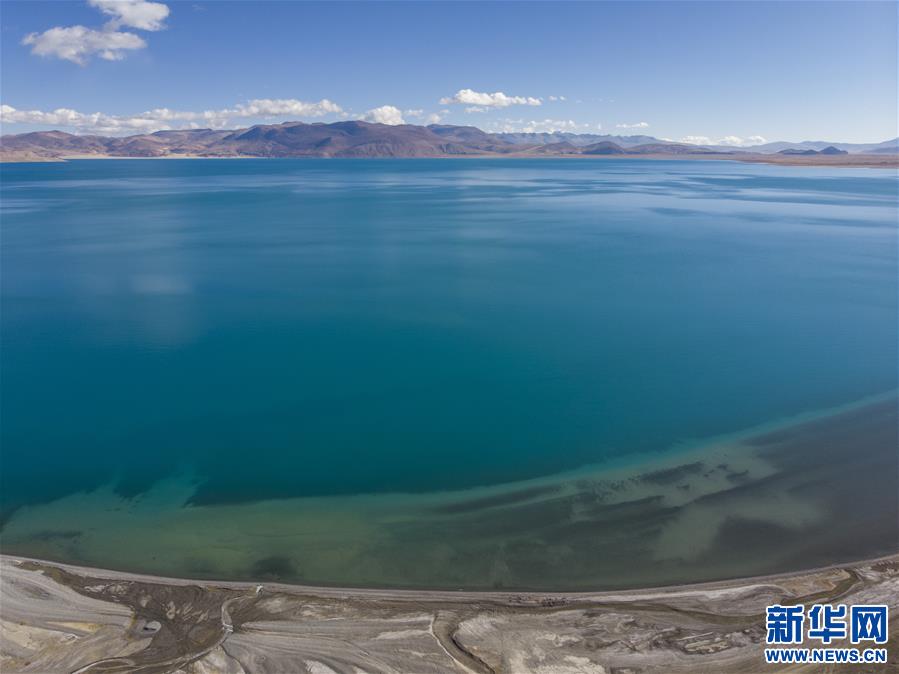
604 147
661 147
794 151
339 139
470 136
345 139
54 143
888 146
291 139
576 139
829 150
362 139
563 147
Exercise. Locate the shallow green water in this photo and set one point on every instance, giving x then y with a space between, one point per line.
308 328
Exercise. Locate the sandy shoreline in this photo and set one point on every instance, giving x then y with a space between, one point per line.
723 587
61 618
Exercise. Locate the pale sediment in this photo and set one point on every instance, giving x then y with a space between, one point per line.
812 492
65 619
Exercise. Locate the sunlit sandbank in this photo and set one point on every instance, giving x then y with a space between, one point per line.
808 491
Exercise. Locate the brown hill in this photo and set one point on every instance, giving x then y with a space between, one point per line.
339 139
561 148
672 148
344 139
472 137
51 144
291 139
604 147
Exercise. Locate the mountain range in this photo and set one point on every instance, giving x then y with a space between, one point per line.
363 139
830 149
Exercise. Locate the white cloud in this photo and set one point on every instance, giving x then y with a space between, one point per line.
737 141
78 44
557 98
732 141
541 126
697 140
133 13
476 108
161 119
495 100
386 114
280 107
637 125
66 117
429 118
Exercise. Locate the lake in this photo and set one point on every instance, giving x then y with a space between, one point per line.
427 372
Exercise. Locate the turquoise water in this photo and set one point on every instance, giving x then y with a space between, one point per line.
294 328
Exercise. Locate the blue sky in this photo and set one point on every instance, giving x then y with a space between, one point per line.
730 71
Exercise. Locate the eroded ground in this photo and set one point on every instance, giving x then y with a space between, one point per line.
67 619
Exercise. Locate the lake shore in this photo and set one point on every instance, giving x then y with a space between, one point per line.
845 161
65 618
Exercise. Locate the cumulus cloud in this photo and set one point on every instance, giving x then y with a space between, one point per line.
636 125
94 122
428 118
737 141
138 14
495 100
542 126
280 107
732 141
79 43
557 98
697 140
386 114
160 119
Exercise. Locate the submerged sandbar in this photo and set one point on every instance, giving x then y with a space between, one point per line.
809 492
